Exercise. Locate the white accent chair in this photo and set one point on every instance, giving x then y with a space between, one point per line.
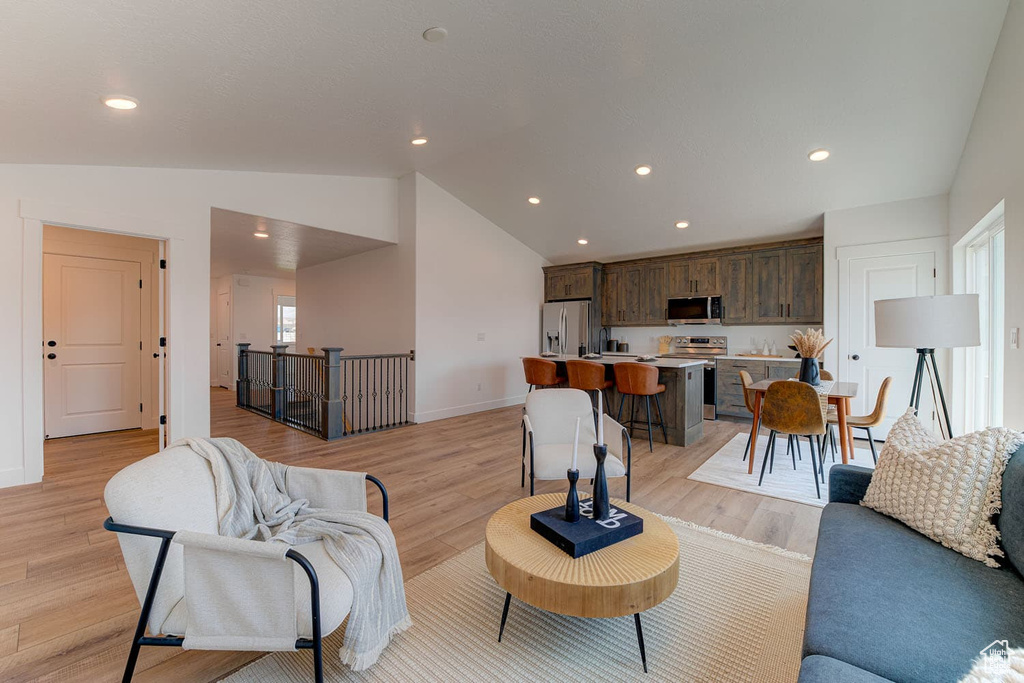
549 423
152 499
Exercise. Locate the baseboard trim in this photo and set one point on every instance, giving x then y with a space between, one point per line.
13 477
469 408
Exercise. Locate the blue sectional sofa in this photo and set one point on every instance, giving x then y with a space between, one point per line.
887 603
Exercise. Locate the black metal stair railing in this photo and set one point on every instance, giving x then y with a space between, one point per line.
329 395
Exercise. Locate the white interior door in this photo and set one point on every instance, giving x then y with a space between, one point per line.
225 355
92 313
870 278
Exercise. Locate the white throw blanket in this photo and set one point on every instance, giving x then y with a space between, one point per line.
253 503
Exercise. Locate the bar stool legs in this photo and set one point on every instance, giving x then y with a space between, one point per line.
631 422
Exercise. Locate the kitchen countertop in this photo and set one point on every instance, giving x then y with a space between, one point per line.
610 359
735 357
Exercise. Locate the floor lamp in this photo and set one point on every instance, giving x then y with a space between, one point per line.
927 323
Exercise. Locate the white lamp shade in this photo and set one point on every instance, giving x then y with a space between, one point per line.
928 322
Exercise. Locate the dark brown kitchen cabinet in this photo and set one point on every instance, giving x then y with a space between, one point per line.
631 295
804 277
678 280
611 311
570 282
692 277
655 288
735 272
704 273
770 286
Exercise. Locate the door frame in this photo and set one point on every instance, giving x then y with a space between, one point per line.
937 245
34 214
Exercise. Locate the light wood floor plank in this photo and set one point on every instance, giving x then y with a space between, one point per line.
67 607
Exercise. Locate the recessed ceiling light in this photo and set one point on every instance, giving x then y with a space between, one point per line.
818 155
121 102
682 224
643 169
581 241
260 234
435 34
419 141
534 200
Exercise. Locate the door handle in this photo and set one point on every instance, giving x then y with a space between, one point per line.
782 309
787 310
51 356
218 343
855 357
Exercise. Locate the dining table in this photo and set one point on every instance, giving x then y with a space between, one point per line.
838 394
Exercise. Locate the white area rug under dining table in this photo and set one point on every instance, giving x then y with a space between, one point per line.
728 468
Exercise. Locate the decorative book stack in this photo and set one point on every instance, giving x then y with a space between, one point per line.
588 534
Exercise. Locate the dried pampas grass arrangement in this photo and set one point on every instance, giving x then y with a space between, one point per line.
810 344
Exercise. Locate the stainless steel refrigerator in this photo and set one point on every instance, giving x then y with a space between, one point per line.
564 326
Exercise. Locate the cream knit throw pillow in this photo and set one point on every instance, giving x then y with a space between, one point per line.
947 490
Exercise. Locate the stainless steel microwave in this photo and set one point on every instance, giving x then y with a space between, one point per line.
695 310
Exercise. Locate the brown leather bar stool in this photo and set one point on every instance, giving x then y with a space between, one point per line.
636 379
541 373
589 376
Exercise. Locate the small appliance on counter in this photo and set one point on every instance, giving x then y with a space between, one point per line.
612 346
623 347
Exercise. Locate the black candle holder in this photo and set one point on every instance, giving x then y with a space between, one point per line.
602 509
572 500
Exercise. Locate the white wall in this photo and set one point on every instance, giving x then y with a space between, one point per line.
472 278
891 222
362 303
992 170
254 308
160 203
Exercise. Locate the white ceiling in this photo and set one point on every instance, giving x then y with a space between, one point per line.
554 98
235 250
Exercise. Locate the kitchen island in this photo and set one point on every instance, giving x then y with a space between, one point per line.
682 404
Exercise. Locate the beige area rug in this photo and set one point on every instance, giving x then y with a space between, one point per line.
737 615
727 468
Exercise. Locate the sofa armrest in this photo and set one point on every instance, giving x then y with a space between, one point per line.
848 483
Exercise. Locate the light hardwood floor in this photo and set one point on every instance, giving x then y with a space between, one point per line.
67 607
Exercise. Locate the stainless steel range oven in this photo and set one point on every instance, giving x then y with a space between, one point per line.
705 349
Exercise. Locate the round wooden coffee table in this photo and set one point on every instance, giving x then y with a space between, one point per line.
626 578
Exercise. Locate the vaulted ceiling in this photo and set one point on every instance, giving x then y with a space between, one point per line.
555 99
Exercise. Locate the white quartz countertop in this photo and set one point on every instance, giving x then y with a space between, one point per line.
610 359
774 360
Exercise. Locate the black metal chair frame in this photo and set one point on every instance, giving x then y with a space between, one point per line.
629 458
769 457
140 638
632 423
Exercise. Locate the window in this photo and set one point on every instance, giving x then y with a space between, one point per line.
986 278
285 320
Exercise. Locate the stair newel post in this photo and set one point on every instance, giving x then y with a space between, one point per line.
278 378
332 418
242 383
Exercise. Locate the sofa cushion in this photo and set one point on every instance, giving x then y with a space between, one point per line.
818 669
1011 519
887 599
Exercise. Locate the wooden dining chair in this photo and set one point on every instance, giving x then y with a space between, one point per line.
792 408
865 422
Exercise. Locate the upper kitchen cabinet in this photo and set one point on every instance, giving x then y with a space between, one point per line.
804 279
788 285
692 277
736 276
705 277
610 309
769 286
576 281
623 296
655 288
